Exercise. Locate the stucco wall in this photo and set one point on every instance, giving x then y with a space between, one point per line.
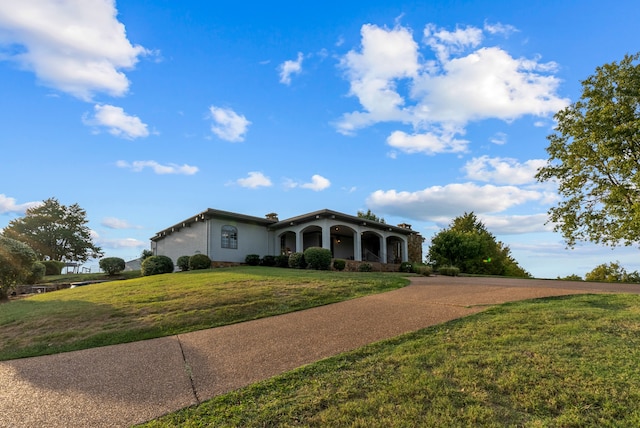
252 239
186 241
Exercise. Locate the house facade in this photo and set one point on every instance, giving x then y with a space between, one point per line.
228 237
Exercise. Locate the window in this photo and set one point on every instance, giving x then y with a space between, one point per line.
230 237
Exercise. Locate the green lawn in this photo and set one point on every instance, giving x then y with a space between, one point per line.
555 362
162 305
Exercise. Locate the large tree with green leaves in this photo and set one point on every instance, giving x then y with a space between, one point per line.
55 232
369 215
469 246
594 157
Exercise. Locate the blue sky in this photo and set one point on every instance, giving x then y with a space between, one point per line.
148 112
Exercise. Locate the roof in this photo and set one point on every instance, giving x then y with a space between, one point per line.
212 213
326 213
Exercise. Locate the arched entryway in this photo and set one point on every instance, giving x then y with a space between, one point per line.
343 242
371 248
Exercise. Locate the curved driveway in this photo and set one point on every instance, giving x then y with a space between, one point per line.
121 385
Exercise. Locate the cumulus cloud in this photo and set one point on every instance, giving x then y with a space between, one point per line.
316 184
138 166
443 202
227 124
116 223
289 68
503 170
76 47
9 205
117 122
254 180
439 86
121 243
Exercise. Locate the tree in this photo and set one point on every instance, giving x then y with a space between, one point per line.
16 264
594 156
468 245
611 272
112 265
370 216
55 232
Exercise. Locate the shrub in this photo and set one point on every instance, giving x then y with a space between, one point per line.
449 271
199 261
112 265
339 264
296 261
423 270
282 261
37 273
269 261
365 267
53 267
183 263
406 267
318 258
252 259
572 277
156 265
16 259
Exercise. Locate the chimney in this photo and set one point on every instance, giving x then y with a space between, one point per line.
405 226
272 216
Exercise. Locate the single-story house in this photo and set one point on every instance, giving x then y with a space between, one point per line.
228 237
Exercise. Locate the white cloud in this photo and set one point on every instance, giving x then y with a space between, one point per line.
228 125
116 223
316 184
499 28
77 47
290 67
118 123
121 243
462 82
443 202
428 143
503 170
499 139
517 224
254 180
138 166
9 205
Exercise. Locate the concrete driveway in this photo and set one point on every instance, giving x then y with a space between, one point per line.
121 385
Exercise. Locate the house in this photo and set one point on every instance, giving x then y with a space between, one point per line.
227 237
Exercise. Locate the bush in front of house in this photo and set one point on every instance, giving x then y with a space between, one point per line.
53 267
318 258
183 263
112 265
406 267
282 261
296 261
199 261
268 261
423 270
449 270
252 259
339 264
365 267
156 265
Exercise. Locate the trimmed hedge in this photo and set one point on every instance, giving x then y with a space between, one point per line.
199 261
365 267
282 261
339 264
449 270
268 261
183 263
252 259
296 261
156 265
318 258
406 267
112 265
53 267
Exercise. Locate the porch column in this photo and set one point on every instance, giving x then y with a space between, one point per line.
405 250
326 237
357 246
383 249
299 242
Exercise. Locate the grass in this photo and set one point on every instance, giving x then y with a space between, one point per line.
162 305
553 362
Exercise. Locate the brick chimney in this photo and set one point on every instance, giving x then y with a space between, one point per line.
272 216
